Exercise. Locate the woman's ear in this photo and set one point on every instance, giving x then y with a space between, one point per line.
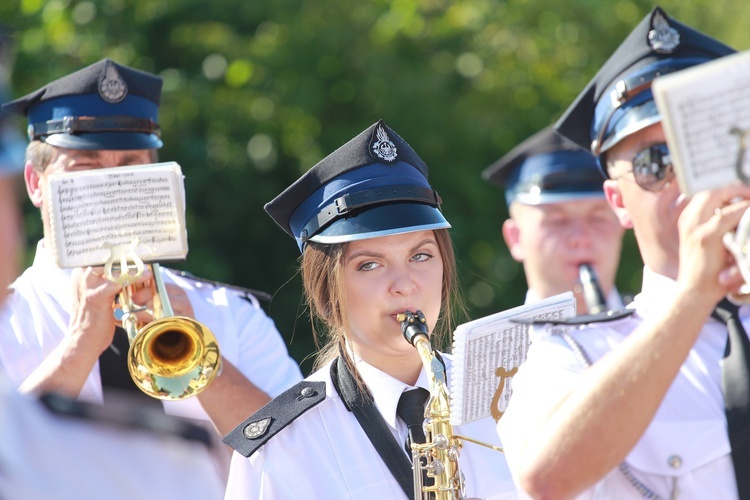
615 199
512 237
34 181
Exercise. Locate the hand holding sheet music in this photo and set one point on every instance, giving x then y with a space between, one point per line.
705 114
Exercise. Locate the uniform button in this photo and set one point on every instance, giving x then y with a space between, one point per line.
675 461
306 392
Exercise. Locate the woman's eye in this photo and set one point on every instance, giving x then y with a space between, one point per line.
367 266
421 257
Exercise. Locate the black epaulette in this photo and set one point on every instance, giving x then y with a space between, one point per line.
274 416
584 319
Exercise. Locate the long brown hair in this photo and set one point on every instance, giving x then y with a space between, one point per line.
322 276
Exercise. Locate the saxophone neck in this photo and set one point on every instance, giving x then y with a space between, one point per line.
415 331
414 328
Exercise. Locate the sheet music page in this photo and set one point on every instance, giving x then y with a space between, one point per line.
487 353
706 118
94 210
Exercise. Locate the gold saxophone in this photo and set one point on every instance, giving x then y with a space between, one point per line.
438 456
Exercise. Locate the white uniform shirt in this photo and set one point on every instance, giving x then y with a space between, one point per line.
53 457
685 448
35 317
325 454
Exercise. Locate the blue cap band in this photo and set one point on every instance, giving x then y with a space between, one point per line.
364 178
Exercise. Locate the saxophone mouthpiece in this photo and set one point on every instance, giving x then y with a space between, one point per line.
412 325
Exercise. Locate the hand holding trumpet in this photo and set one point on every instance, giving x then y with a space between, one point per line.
707 265
94 296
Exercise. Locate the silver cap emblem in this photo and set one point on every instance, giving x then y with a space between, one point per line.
662 38
254 430
112 87
383 148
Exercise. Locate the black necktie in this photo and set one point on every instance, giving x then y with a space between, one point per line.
736 386
410 409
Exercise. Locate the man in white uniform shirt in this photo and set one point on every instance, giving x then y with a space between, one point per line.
635 407
56 325
559 221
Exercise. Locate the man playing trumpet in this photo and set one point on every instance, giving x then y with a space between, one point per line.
635 407
57 326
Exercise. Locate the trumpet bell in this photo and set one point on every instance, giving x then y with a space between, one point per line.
174 358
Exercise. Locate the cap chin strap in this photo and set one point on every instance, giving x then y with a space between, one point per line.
89 124
352 201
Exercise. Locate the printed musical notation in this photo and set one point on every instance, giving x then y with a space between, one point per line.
705 114
487 353
96 210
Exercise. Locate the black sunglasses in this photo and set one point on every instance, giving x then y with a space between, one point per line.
652 167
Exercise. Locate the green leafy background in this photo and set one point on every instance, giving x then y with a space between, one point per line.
256 92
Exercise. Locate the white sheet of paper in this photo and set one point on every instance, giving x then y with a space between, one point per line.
705 114
488 351
94 210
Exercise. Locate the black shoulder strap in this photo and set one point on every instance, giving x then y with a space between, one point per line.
372 423
254 432
583 319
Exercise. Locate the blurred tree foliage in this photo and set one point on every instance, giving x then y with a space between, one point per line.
256 92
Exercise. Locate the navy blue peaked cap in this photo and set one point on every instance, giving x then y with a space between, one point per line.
546 168
374 185
618 102
102 106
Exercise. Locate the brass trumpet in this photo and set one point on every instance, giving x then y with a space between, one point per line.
172 357
737 244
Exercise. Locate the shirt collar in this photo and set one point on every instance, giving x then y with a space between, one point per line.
385 389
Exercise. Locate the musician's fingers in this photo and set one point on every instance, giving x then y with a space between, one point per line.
180 302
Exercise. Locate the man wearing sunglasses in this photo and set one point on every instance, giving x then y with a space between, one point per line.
634 406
